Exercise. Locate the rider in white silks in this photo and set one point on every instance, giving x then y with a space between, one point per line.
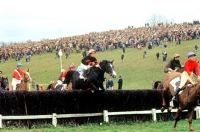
87 62
17 76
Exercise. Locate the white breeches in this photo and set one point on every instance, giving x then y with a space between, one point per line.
14 83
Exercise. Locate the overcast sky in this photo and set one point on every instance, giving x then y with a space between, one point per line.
22 20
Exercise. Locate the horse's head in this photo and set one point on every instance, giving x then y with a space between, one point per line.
27 76
108 67
5 83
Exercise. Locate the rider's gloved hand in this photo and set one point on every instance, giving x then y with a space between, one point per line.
63 78
198 78
97 65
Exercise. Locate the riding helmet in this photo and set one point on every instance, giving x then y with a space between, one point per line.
19 64
191 54
72 66
92 51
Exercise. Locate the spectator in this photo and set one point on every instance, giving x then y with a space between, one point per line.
110 84
196 47
84 52
157 55
164 55
107 86
1 76
120 82
122 57
123 48
144 54
28 58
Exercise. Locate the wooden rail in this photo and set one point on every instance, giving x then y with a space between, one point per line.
105 115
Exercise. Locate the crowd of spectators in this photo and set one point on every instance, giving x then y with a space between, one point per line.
109 40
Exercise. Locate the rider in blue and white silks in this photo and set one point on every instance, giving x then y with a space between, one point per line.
87 62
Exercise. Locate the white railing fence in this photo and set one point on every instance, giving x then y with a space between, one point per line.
105 115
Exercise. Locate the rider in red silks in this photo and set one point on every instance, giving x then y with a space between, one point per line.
71 67
61 78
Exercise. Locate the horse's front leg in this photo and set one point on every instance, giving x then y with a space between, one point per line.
177 117
190 114
102 87
94 87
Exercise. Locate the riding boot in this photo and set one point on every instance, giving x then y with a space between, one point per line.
175 94
85 75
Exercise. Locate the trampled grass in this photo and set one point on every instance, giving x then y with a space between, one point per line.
137 72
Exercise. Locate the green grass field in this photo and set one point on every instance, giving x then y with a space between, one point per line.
137 73
159 126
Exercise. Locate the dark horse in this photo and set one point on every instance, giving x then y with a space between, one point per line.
188 99
95 76
4 84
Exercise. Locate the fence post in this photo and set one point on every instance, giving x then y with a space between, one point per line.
0 121
105 116
154 114
54 120
198 112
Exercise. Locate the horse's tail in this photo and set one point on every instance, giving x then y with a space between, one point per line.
49 87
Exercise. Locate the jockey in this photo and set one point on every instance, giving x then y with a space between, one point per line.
1 75
189 67
87 62
17 76
175 62
64 72
59 82
71 67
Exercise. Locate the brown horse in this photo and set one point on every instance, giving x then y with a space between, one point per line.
52 86
188 99
26 78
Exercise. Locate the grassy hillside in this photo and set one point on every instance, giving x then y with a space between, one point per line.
137 73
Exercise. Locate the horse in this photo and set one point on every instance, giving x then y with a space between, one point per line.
26 78
54 86
95 77
4 84
188 99
159 84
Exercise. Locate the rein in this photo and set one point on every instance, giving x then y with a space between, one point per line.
101 68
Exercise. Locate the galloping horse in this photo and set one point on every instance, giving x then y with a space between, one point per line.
52 86
95 76
188 99
4 84
25 79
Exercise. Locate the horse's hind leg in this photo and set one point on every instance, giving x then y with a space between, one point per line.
163 100
177 117
190 114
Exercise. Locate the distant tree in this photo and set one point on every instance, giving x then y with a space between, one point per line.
157 20
28 41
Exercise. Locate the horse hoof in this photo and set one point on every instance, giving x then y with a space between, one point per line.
191 130
169 109
162 109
